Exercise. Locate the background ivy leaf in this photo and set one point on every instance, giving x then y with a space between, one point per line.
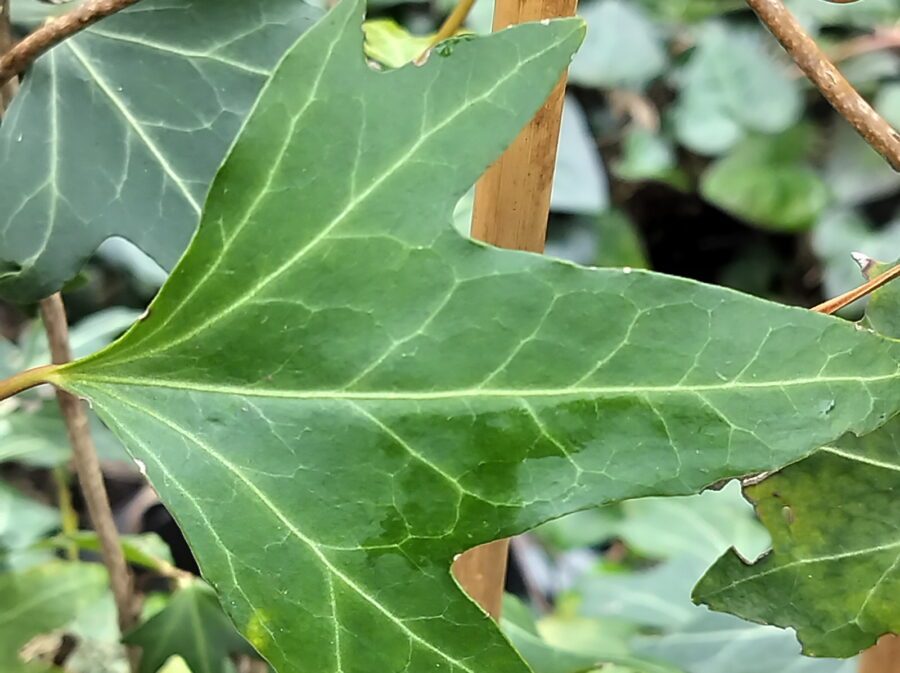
412 393
732 86
191 625
623 47
690 10
646 155
856 173
619 243
166 87
22 520
41 599
762 183
146 550
37 437
579 182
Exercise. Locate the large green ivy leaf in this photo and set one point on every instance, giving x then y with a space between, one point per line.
193 626
39 600
166 87
834 572
335 393
856 173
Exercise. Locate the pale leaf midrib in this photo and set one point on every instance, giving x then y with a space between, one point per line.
894 467
462 393
180 51
136 127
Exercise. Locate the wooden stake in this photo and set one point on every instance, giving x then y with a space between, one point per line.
883 657
512 204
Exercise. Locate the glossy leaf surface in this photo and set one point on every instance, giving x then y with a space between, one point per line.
335 393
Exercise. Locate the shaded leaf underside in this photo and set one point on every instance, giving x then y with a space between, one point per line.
335 393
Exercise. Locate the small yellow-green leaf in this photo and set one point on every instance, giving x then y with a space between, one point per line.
390 44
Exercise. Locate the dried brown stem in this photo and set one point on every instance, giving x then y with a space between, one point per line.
23 54
836 304
87 466
828 79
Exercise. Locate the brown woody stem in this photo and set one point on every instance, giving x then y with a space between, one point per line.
23 54
87 466
828 79
836 304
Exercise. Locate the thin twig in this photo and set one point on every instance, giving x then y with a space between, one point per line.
836 304
17 59
828 79
87 466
